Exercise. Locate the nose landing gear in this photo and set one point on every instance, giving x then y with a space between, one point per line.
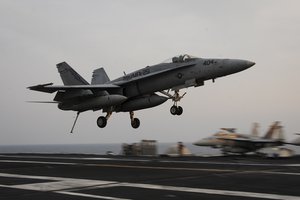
135 122
175 110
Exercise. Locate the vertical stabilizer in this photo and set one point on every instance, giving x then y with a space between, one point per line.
279 134
100 77
255 128
69 76
275 131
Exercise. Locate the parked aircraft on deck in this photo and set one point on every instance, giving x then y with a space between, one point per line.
231 142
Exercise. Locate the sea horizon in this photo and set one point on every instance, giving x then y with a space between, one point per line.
104 148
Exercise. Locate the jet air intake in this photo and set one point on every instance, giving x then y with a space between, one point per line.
94 103
142 103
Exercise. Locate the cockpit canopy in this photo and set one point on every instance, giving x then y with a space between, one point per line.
180 59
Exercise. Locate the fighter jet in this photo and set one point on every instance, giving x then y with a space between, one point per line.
139 89
231 142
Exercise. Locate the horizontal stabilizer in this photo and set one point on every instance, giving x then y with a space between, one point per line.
41 101
49 88
41 87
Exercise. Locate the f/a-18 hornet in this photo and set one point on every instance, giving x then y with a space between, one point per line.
137 90
231 142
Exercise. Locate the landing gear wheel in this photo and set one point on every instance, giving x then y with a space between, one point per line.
173 110
176 110
179 110
135 123
101 122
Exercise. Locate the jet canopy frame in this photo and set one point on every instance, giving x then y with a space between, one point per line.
180 59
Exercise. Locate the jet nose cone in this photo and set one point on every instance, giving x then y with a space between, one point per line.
241 65
249 63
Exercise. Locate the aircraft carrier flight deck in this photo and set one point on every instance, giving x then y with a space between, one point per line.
74 176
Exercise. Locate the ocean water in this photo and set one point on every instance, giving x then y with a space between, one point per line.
104 148
96 148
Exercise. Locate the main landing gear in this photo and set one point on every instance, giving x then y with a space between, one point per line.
175 109
102 121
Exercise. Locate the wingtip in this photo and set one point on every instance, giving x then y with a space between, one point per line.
61 63
39 86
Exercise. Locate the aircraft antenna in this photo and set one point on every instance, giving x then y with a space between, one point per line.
75 122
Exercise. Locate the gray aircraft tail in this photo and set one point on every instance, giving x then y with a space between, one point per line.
69 76
99 77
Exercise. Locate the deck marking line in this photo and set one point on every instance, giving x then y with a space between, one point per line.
61 185
40 162
79 184
212 191
148 167
162 161
90 195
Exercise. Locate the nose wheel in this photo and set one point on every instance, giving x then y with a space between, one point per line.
176 110
135 122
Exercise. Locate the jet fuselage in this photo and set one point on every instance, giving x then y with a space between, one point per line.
192 73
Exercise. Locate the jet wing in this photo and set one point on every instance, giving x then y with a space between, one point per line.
141 74
50 88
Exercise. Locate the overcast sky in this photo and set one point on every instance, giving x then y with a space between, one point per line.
127 35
